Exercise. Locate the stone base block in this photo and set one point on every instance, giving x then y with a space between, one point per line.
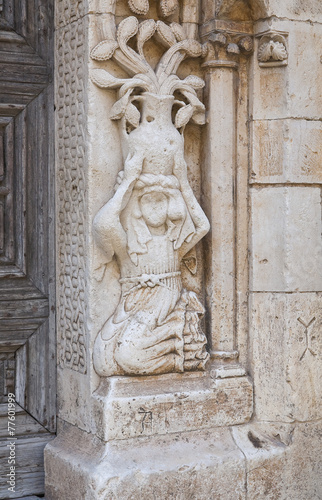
251 461
128 407
199 465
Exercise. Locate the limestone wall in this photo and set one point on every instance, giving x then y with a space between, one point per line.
255 168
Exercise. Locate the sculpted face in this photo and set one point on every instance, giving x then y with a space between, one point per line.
154 208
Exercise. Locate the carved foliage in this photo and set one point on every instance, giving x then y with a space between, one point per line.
272 49
162 80
141 7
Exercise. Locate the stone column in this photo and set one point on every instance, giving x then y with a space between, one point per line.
220 190
219 200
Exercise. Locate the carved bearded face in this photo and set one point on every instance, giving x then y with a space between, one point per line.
154 208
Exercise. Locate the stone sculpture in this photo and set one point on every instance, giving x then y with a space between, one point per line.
153 219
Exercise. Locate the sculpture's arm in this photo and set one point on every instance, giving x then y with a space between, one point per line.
107 225
197 214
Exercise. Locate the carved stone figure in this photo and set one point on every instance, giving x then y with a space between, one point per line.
153 219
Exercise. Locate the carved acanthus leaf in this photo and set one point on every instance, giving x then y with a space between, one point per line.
104 50
119 108
132 115
168 7
146 31
272 50
279 52
265 52
104 79
166 34
183 116
178 31
140 7
194 81
162 81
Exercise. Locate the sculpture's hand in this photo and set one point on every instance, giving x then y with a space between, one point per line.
133 166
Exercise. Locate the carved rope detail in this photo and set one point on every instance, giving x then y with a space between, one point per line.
153 220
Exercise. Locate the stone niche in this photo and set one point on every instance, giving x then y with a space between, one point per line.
163 124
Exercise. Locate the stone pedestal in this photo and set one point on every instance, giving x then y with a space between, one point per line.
127 407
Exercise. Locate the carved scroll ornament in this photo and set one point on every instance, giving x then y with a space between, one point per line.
153 219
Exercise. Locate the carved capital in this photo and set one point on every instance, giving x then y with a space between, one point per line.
225 42
272 48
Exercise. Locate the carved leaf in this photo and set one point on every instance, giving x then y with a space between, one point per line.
104 50
146 30
183 115
279 52
140 7
199 107
178 31
119 108
165 34
265 52
127 28
168 7
199 118
104 79
132 115
195 82
193 48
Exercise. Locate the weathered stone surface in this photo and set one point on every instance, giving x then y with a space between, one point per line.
286 239
220 162
277 91
202 464
142 406
286 355
286 151
282 461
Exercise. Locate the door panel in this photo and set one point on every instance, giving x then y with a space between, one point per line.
27 278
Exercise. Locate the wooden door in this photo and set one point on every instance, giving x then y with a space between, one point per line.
27 239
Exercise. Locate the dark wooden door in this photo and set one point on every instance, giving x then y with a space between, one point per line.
27 239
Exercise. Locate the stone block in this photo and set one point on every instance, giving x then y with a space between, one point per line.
285 335
202 464
286 151
277 91
282 461
310 10
144 406
286 239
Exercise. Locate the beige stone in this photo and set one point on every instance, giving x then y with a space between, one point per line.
286 151
277 92
202 464
282 461
142 406
286 239
286 356
220 163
